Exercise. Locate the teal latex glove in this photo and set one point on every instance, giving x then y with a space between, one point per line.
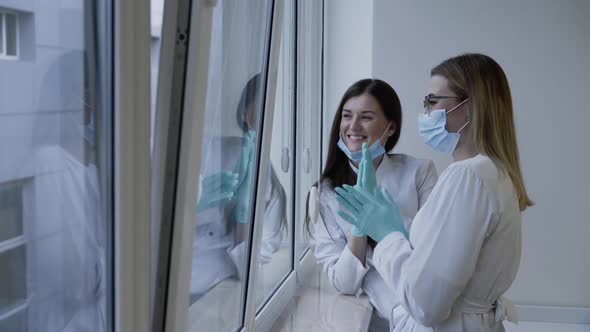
244 164
356 232
367 180
242 209
217 189
375 214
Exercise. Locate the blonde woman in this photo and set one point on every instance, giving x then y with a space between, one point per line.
464 248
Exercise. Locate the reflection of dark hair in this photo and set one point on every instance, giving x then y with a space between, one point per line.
337 169
250 95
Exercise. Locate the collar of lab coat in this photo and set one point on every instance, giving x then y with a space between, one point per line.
385 165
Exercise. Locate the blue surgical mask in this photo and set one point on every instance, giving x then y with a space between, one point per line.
433 130
376 149
353 168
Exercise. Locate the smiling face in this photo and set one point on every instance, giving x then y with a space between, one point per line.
362 120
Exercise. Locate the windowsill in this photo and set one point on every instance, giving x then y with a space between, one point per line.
224 300
316 306
319 307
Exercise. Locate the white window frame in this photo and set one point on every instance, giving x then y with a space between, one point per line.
132 165
3 50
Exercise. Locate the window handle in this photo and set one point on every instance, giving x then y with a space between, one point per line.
285 160
306 161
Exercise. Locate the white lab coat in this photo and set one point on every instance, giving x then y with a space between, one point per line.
463 253
216 254
409 181
65 242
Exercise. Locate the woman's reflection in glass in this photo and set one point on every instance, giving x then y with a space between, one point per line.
223 204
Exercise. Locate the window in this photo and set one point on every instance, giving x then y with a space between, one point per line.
13 288
235 246
55 170
233 114
309 112
8 35
10 211
276 243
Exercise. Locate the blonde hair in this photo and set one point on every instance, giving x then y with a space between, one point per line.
482 80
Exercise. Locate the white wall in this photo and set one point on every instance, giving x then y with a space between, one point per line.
348 51
544 47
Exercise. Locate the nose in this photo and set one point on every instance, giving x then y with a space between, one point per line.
355 124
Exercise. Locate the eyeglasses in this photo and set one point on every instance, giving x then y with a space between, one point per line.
431 98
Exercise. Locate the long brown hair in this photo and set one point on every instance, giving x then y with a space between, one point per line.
337 169
482 80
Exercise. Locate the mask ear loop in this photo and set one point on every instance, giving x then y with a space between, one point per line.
458 105
465 125
454 108
383 135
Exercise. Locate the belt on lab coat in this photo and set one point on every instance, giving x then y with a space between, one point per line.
504 308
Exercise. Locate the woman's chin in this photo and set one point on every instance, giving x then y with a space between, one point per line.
355 146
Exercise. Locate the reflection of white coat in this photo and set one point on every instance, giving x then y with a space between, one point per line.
409 182
463 253
216 253
65 244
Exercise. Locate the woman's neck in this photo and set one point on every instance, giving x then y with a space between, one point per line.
465 148
464 151
376 162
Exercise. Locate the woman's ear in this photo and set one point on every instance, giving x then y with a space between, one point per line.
392 129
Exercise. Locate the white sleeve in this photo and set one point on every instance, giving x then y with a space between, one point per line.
272 230
328 242
425 182
238 257
429 273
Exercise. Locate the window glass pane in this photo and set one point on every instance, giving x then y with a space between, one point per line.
11 34
54 152
10 210
1 33
12 279
276 245
229 161
309 48
157 15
